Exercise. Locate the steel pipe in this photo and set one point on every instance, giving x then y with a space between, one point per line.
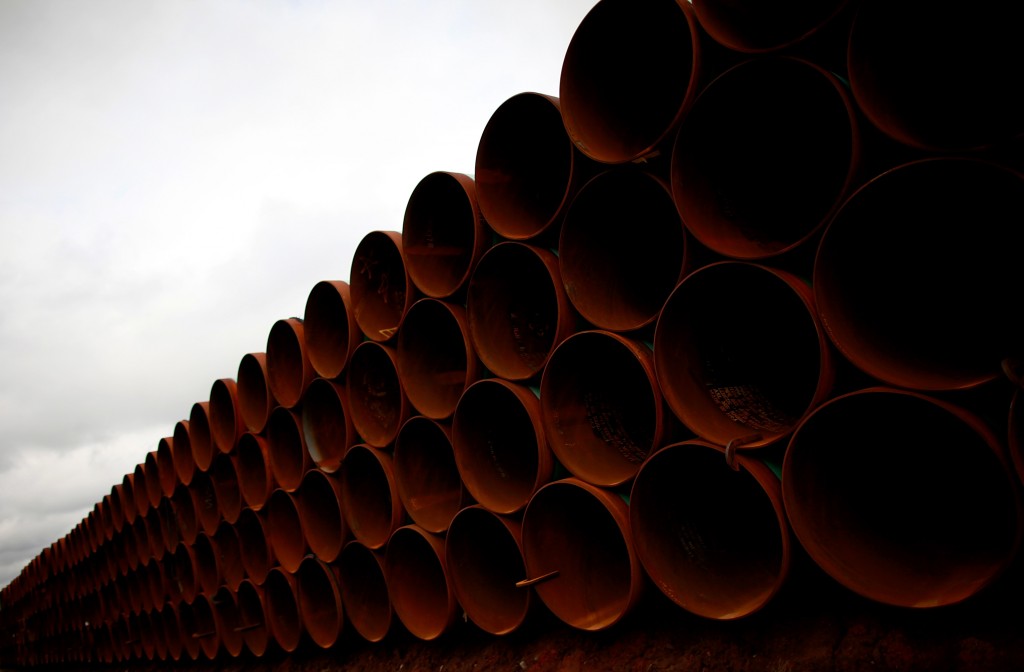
579 552
484 561
224 477
254 542
252 616
364 590
330 327
226 422
376 400
327 423
712 535
733 384
320 512
369 497
765 156
380 285
629 74
753 27
517 309
227 620
426 475
199 434
902 498
898 310
289 370
601 406
205 498
284 530
435 357
154 479
319 599
286 448
181 452
255 400
443 233
421 592
499 443
185 513
165 466
282 609
256 478
229 555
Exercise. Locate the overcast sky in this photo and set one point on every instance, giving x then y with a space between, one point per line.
176 176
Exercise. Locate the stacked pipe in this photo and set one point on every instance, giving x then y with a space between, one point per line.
746 286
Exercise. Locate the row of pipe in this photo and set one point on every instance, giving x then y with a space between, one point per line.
669 340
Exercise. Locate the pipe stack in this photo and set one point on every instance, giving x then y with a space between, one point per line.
748 285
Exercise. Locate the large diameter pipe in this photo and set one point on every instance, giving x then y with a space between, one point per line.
526 167
330 327
209 574
753 27
205 497
601 406
436 361
255 400
902 498
200 436
181 447
127 493
154 485
376 398
426 474
711 535
226 423
917 276
282 609
937 75
364 590
421 592
255 472
369 497
228 621
628 75
286 447
484 557
252 616
622 249
380 285
289 370
327 423
229 554
443 233
254 542
500 445
185 515
319 504
518 310
169 615
740 354
224 477
319 598
284 530
765 156
579 554
165 465
140 490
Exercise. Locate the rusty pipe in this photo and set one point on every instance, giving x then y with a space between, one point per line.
224 478
711 535
319 504
327 423
919 487
426 475
204 496
740 353
330 327
628 75
200 436
254 542
526 167
127 493
364 590
499 443
229 554
380 286
484 559
182 577
185 513
376 400
369 497
755 28
252 617
421 592
286 448
601 406
289 370
938 75
154 479
181 452
208 571
319 599
436 360
282 608
254 470
443 233
227 620
765 156
517 309
284 530
226 423
255 400
917 276
622 249
165 466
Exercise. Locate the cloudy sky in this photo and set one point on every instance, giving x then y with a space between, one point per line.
176 176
